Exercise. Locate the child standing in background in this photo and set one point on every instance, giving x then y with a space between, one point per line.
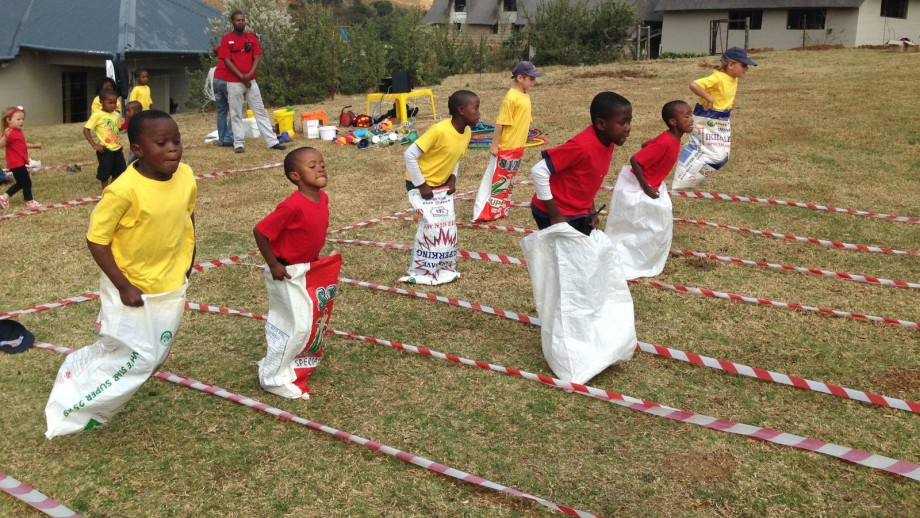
432 164
141 90
640 223
131 109
105 83
301 286
493 200
108 150
709 145
17 156
569 176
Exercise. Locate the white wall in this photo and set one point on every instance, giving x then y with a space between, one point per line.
875 30
28 82
688 31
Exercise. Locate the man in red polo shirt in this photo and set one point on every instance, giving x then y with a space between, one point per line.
237 61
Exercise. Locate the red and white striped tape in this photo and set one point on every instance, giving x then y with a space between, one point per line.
770 201
864 458
35 498
93 199
404 456
370 221
776 303
812 206
676 354
824 242
93 295
498 258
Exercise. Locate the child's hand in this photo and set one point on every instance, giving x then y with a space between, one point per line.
493 148
279 272
650 192
426 191
39 146
7 131
131 296
99 148
452 184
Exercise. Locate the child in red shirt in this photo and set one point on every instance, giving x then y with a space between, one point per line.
296 231
640 223
301 286
569 176
17 156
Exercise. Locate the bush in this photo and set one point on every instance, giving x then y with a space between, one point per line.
572 33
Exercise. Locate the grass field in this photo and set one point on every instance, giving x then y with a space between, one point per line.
834 127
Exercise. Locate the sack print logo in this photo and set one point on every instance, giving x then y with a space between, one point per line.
325 295
439 211
711 123
166 337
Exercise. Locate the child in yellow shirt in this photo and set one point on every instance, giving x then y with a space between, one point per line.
141 90
493 200
106 123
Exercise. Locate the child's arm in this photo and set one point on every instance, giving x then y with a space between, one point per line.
102 254
496 136
37 145
703 94
411 157
3 136
540 174
279 272
89 138
640 175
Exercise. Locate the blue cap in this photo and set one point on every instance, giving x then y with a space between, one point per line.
526 68
738 54
14 337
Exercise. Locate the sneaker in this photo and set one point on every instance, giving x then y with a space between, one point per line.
279 147
4 202
33 205
239 150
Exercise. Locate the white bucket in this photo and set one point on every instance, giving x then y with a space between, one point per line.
327 132
311 128
250 128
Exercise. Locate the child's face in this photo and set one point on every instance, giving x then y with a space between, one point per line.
311 171
158 149
683 118
615 129
526 83
143 78
16 120
736 69
131 111
109 103
470 112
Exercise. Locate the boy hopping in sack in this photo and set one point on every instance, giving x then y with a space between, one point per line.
142 236
579 289
301 286
568 178
640 222
432 164
493 200
710 142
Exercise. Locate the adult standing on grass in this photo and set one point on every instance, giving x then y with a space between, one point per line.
237 62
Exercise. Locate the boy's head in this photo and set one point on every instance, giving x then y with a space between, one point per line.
463 105
13 117
611 116
525 75
109 99
735 62
142 76
678 116
306 169
104 83
157 143
133 108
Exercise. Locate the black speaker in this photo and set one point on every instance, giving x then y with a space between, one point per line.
386 84
402 82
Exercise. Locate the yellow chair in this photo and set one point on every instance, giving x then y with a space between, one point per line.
400 100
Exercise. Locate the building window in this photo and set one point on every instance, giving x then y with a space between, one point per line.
736 19
460 6
511 5
894 9
800 19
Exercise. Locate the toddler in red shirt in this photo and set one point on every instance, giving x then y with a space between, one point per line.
640 222
17 157
301 285
568 178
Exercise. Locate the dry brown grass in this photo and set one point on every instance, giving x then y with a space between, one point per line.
801 133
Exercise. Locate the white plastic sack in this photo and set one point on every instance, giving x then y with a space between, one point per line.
299 310
707 148
434 254
582 299
640 227
96 382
